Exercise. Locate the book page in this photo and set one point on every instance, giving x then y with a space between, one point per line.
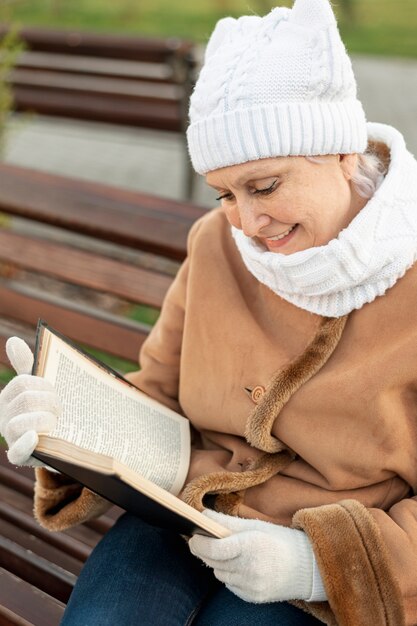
108 416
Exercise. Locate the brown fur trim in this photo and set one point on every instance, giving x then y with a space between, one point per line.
60 503
288 381
229 503
234 482
354 564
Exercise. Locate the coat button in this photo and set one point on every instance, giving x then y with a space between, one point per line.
257 393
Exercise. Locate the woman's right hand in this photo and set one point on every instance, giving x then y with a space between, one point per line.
28 405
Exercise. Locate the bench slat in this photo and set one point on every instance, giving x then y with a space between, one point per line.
153 50
84 268
21 604
95 108
39 547
141 221
36 570
22 503
96 66
98 330
66 545
15 480
120 87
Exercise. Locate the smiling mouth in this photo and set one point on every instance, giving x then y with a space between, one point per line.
282 235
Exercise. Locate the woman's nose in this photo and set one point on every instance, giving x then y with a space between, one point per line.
252 219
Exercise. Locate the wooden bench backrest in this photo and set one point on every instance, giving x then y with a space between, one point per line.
133 81
150 234
91 238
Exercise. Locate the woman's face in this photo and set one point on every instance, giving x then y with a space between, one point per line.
289 203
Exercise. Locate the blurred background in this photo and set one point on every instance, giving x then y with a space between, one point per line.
380 35
368 26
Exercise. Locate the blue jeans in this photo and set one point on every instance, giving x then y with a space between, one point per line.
139 575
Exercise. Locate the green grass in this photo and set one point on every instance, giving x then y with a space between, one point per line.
6 374
120 365
379 26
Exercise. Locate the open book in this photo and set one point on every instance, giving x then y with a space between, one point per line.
115 440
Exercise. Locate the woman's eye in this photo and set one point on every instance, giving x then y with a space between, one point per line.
225 196
267 190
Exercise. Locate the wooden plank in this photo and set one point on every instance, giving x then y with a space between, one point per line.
97 108
39 547
95 66
70 546
9 618
83 268
19 502
24 471
14 478
36 570
106 332
75 42
129 218
23 605
71 85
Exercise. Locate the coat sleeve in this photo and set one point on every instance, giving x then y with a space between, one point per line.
367 559
59 502
160 354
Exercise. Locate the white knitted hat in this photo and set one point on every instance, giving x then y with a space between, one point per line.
275 86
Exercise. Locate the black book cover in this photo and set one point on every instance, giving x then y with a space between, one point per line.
117 491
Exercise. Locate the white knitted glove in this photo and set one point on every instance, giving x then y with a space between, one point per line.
28 406
261 562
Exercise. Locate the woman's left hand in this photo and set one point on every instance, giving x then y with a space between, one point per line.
259 562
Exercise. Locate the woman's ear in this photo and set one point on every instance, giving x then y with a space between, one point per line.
348 164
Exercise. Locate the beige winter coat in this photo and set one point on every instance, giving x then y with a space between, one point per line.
300 420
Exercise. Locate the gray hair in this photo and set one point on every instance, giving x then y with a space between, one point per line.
369 173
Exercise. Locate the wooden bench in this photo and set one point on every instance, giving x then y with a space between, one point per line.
130 81
68 246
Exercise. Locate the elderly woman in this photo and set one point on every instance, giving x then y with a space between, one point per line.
289 339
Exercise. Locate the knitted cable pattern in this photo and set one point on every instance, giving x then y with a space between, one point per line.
278 85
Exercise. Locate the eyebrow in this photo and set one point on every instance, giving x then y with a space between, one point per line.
252 176
214 186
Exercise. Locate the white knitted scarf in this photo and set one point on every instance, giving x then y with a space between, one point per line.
367 257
